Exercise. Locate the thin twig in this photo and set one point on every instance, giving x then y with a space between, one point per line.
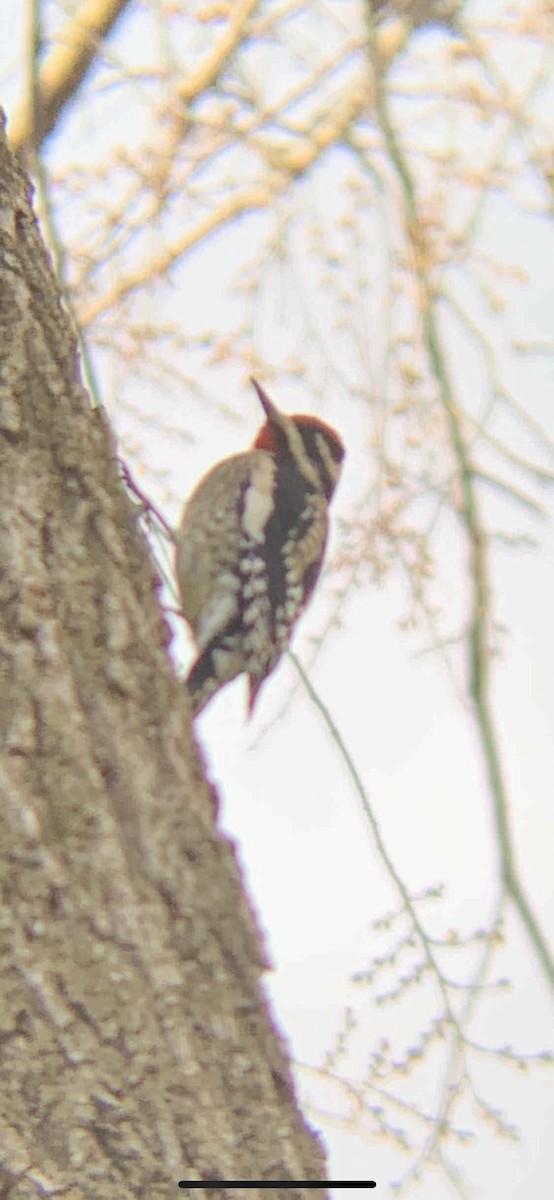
470 515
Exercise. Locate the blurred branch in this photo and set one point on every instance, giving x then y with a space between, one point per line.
284 156
500 392
234 33
241 202
384 856
64 70
456 1068
517 108
282 163
478 647
196 84
508 490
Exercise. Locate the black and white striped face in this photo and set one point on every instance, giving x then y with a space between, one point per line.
321 448
314 446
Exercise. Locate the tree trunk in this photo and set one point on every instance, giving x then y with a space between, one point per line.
135 1046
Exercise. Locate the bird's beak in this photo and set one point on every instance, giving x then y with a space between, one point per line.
271 412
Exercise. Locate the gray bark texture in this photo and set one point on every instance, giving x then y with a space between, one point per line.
136 1049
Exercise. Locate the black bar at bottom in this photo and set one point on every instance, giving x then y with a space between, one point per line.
282 1183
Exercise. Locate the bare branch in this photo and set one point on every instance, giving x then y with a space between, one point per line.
65 69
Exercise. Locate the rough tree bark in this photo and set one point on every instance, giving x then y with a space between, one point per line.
135 1045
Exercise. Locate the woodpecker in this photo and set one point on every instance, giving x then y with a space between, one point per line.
250 548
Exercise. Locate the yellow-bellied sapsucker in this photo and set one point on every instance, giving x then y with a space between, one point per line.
250 548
